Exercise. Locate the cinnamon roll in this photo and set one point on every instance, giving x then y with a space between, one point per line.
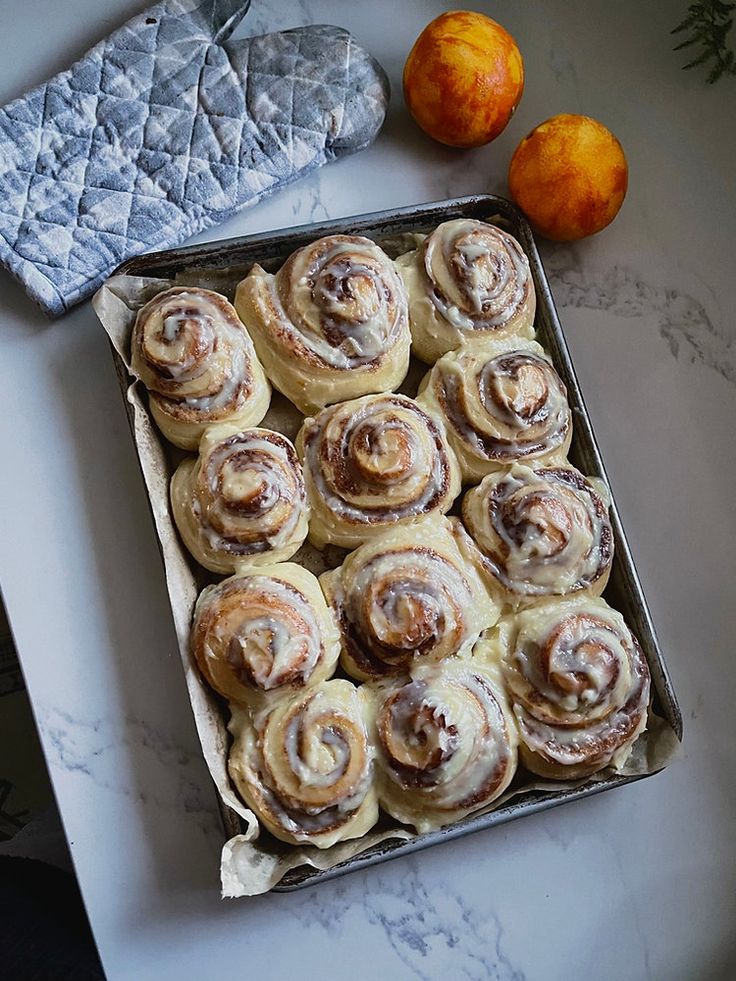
500 402
408 596
264 633
446 741
242 501
197 361
578 684
467 281
373 463
541 531
332 323
306 770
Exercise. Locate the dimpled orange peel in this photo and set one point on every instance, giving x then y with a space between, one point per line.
463 78
569 177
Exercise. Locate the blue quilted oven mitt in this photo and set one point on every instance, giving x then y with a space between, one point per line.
166 128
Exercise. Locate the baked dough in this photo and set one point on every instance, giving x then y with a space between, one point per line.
500 402
264 633
578 684
306 769
407 597
467 281
242 501
446 741
373 463
542 531
331 324
195 357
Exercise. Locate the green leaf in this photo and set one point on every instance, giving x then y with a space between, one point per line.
687 44
708 24
688 22
701 59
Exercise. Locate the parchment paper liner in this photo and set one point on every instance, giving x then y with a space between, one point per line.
247 867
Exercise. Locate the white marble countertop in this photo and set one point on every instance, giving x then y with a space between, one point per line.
638 883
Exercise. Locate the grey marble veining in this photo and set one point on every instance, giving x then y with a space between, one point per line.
684 322
93 747
635 883
430 926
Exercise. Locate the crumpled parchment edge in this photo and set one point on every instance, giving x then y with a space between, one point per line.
247 868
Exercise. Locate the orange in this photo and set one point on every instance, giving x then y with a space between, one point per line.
569 177
463 78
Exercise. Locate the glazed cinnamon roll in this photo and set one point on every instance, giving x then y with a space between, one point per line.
447 743
264 633
541 531
242 501
500 402
306 769
373 463
467 281
193 354
332 323
408 596
578 684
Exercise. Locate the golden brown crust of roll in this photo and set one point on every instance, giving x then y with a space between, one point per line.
194 355
500 403
306 769
372 463
242 501
542 531
467 281
447 743
578 683
331 324
264 633
407 597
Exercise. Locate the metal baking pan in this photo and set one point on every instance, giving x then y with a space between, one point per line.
221 265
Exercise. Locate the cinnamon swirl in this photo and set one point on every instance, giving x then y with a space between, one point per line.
242 501
542 531
408 596
500 402
578 684
373 463
264 633
306 769
195 357
467 281
332 323
447 743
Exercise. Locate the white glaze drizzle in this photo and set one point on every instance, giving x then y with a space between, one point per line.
485 284
410 470
367 304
